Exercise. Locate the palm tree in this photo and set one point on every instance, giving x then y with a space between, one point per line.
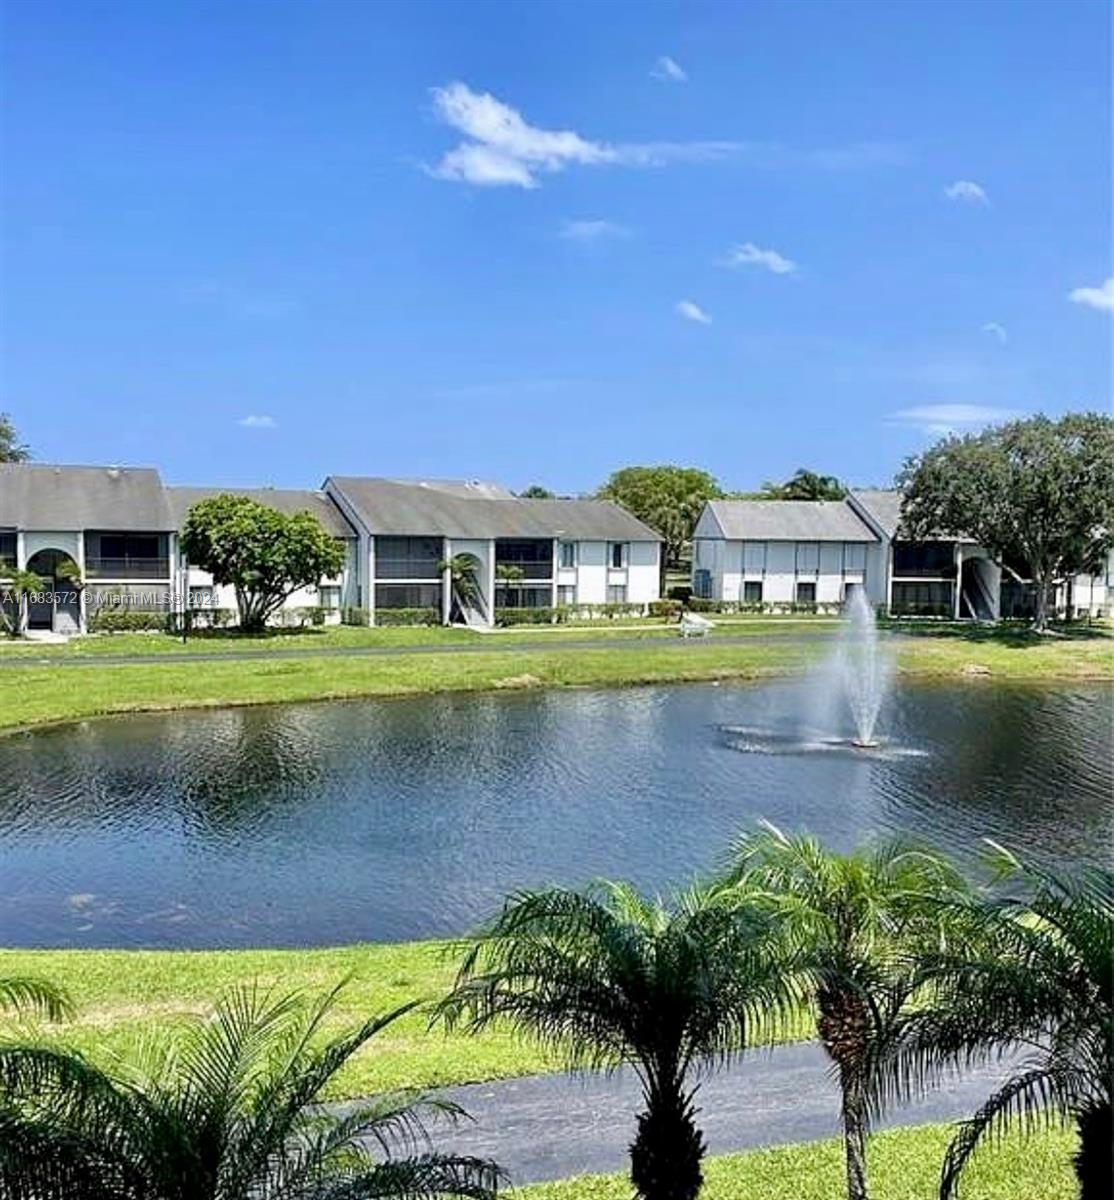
464 581
857 922
1038 973
14 590
231 1111
22 993
511 577
607 977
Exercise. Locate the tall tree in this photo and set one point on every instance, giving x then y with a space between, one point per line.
1036 492
806 485
856 922
1037 975
11 449
232 1111
606 976
264 555
668 499
536 492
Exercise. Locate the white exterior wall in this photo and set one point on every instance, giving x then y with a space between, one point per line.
732 563
591 572
484 550
643 572
71 542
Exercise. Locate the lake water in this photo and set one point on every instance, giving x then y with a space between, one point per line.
336 822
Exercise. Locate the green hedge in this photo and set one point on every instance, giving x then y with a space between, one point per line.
113 620
407 616
770 607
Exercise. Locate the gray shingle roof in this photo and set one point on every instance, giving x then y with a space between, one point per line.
286 500
62 498
462 510
790 521
882 505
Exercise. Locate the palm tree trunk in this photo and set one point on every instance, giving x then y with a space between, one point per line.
853 1117
1094 1160
667 1152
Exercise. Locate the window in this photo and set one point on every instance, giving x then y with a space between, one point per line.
518 596
854 556
849 590
567 554
616 592
754 557
752 591
924 558
329 598
408 558
929 599
7 548
408 595
806 593
129 545
617 554
808 557
702 583
566 593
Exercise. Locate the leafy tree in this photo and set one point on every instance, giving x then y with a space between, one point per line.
13 599
536 492
1038 492
805 485
464 580
606 977
231 1111
668 499
1038 973
265 555
856 923
11 449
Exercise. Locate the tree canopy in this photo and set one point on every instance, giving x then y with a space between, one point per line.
805 485
1037 493
11 448
536 492
265 555
669 499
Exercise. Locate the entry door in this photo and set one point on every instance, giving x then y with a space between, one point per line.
40 607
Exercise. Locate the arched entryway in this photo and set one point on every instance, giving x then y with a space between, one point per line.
58 606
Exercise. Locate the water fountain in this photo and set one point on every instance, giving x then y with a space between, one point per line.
844 697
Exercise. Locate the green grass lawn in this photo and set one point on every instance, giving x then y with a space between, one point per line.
123 996
42 693
904 1165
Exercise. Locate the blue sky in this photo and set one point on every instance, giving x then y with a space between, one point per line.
263 241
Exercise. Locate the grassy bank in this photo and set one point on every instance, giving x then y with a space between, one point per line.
123 996
41 692
904 1165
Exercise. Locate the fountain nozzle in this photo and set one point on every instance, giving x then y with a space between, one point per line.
864 743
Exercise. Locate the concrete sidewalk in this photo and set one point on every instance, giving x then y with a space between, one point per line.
555 1126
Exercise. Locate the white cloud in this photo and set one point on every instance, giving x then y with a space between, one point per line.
593 231
502 149
1101 297
257 421
692 312
966 191
994 330
940 419
750 255
668 70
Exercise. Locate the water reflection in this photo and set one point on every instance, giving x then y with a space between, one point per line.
333 822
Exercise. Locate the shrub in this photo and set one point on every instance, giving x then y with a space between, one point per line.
665 608
407 616
682 592
531 616
355 616
115 620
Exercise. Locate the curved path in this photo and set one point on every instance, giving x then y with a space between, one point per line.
554 1126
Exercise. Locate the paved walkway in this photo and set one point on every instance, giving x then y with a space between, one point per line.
484 644
555 1126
